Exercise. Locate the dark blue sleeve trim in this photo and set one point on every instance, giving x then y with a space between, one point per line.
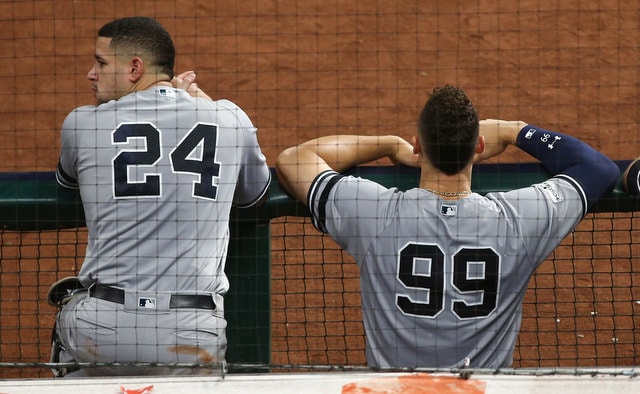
64 179
578 187
317 201
260 197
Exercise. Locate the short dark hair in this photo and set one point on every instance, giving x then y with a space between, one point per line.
144 37
448 129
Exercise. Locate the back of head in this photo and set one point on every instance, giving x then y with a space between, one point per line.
448 129
144 37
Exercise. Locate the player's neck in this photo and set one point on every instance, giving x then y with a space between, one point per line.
151 80
447 187
447 193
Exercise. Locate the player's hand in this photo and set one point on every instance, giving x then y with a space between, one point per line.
404 154
186 81
498 135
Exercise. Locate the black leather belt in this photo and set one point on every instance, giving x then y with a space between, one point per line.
112 294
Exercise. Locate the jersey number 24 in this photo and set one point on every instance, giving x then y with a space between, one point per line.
204 167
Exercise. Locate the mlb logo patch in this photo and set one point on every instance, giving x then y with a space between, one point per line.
166 92
146 303
448 210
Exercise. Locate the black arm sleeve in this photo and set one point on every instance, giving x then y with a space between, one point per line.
564 155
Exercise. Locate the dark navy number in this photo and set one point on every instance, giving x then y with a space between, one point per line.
432 280
147 156
205 166
195 154
476 271
475 279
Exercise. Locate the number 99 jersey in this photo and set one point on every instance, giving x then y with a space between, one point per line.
158 172
443 281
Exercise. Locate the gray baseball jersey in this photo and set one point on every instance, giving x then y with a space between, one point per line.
158 172
443 281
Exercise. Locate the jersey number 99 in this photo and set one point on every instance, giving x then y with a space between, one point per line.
475 280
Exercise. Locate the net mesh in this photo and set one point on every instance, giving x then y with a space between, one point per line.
306 68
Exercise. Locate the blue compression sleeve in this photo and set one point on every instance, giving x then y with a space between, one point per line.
563 154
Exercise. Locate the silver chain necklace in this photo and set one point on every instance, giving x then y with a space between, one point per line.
448 194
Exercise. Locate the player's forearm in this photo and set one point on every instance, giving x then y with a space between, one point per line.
298 166
556 151
342 152
563 154
498 135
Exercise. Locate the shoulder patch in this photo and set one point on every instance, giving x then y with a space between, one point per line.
551 190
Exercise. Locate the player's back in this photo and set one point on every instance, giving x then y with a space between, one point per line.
443 280
158 172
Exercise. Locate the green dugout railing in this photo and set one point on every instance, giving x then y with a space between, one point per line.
33 201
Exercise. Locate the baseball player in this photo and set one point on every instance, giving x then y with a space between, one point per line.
158 171
443 270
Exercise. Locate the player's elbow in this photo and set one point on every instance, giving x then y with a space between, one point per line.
286 160
286 168
610 171
602 178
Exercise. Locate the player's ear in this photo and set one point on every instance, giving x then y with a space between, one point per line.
136 66
480 146
417 149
